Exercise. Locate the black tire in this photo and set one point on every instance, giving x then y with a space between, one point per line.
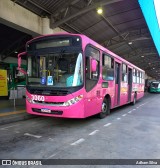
134 99
105 109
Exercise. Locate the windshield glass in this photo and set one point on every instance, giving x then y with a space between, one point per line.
55 70
155 84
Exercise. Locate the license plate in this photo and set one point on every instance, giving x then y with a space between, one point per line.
45 110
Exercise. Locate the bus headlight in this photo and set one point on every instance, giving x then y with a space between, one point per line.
29 100
73 101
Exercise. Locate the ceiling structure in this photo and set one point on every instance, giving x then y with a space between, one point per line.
121 28
12 41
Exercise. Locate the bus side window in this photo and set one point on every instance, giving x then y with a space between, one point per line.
108 68
134 75
94 75
89 74
124 73
138 78
91 77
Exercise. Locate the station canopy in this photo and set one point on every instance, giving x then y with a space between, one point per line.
121 27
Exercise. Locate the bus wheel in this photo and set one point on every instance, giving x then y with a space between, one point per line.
134 99
105 108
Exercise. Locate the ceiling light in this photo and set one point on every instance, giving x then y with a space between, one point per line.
99 10
16 52
130 43
153 68
142 56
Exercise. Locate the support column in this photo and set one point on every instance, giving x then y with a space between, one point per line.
14 15
47 30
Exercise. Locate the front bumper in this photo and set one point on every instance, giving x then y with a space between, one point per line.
72 111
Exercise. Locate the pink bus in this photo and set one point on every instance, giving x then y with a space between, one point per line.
71 76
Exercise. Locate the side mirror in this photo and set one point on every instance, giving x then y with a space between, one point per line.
19 62
93 65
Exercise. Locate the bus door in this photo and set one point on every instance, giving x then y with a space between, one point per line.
129 84
92 100
117 83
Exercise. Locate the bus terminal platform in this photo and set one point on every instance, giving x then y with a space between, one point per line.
13 110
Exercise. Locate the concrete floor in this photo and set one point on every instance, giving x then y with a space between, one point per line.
130 132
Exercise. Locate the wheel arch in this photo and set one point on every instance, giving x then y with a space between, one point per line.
108 97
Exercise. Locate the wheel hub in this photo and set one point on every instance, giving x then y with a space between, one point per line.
104 107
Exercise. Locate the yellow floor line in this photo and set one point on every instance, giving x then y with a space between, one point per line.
13 112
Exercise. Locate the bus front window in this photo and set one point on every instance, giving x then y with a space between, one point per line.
55 70
155 85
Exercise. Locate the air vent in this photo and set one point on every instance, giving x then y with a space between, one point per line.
56 112
48 93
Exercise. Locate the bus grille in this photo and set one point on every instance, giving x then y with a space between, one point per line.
49 103
49 92
56 112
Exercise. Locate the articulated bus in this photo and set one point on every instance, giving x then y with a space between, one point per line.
71 76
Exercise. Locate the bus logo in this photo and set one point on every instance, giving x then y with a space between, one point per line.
6 162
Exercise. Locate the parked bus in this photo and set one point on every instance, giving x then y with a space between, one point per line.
154 87
71 76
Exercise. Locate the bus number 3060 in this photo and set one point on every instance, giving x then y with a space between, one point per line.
37 98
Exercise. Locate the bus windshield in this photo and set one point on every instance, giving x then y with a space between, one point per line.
155 84
55 70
